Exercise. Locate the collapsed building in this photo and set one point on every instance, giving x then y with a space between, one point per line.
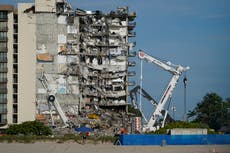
103 56
82 57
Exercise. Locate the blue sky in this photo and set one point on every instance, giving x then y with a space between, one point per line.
192 33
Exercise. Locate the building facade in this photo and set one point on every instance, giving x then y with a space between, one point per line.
6 59
17 104
84 56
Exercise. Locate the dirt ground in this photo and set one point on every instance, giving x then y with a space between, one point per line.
52 147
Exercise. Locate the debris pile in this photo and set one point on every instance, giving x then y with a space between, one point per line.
104 122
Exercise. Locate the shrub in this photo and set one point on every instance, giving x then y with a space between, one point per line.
29 128
179 124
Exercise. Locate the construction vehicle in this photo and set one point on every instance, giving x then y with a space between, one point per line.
156 121
52 101
133 96
142 92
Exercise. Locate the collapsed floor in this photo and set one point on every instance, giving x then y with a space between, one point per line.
108 121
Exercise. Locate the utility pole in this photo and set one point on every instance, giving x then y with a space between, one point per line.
222 115
185 105
141 85
174 111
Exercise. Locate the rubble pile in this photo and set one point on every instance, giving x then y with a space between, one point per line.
104 122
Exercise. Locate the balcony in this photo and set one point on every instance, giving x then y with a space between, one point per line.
3 111
3 91
4 14
3 100
131 83
3 121
3 49
3 19
131 26
3 60
131 63
3 80
3 39
132 54
132 16
132 34
131 73
3 29
3 70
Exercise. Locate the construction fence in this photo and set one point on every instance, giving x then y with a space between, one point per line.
152 139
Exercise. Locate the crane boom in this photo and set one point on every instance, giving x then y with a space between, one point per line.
140 90
53 100
143 55
143 93
176 72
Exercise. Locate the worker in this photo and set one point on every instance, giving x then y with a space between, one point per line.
83 137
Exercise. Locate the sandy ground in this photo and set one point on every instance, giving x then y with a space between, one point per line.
52 147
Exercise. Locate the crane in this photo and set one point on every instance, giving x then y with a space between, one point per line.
52 100
176 71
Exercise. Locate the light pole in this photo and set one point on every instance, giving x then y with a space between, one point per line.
174 111
185 84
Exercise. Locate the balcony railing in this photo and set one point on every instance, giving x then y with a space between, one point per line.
3 38
3 121
3 91
3 70
3 60
3 49
3 101
3 80
3 28
4 19
3 111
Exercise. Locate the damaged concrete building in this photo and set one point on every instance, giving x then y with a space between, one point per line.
103 56
83 56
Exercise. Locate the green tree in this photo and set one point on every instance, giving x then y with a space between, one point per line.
225 113
211 111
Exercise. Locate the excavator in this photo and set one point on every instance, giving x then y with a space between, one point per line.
160 114
139 90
